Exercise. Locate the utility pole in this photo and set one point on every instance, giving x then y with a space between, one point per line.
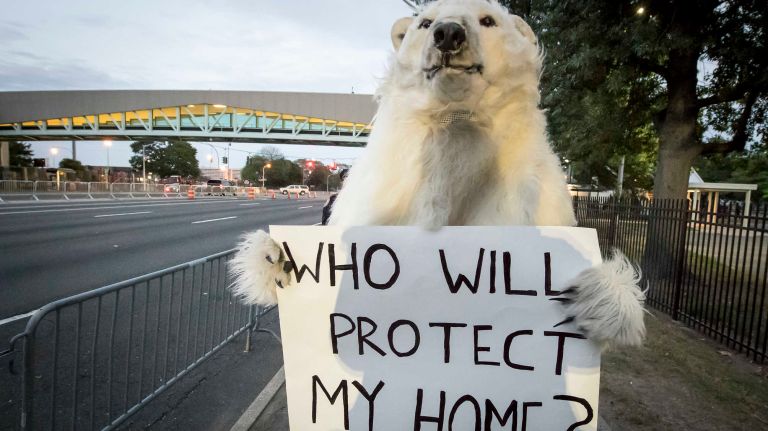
229 163
144 166
74 151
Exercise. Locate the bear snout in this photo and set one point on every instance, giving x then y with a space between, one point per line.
449 37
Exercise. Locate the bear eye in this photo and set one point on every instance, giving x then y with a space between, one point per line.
487 21
425 23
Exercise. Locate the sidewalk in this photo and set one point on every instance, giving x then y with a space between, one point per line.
213 396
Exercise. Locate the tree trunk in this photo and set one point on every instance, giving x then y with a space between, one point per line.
678 147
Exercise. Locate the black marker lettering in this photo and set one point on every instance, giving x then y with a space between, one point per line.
418 418
447 337
299 273
525 412
454 286
491 412
367 266
507 257
584 403
416 337
478 348
363 338
561 336
333 267
334 335
370 398
465 399
508 344
341 389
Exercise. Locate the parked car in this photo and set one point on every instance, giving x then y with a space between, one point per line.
294 188
219 188
171 188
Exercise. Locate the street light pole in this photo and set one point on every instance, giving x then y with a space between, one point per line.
54 152
264 175
108 144
144 166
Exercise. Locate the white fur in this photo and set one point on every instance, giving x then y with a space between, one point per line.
256 277
495 169
606 302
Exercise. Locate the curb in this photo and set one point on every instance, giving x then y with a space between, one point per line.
252 413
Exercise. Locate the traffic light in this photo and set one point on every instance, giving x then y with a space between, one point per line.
224 160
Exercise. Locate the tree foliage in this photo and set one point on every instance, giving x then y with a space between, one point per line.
166 158
748 168
281 173
684 78
20 154
80 171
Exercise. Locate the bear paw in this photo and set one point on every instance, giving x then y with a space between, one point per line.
258 268
606 302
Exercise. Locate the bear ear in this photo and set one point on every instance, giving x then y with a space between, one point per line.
398 31
524 29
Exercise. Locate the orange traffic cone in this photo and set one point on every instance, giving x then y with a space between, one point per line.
273 195
191 193
251 193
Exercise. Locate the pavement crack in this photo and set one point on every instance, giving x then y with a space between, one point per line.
177 402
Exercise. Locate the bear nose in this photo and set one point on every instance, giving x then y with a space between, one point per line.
449 36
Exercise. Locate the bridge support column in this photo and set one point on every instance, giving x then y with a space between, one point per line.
5 154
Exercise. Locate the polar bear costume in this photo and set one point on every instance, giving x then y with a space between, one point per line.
459 140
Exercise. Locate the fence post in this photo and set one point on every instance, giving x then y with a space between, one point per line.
26 383
249 331
34 190
682 212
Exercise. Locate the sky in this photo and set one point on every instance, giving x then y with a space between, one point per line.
335 46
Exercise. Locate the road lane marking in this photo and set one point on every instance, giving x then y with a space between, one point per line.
303 208
15 318
114 206
251 204
122 214
316 224
213 219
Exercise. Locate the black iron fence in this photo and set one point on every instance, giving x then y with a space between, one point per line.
706 268
92 360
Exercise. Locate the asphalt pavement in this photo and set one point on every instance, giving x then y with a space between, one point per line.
54 250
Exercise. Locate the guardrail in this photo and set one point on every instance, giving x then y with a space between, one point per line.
68 190
92 360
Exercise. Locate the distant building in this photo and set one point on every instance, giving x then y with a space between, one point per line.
219 174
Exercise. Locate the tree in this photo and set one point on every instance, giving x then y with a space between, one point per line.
166 158
319 177
271 153
76 166
20 154
613 69
253 169
283 173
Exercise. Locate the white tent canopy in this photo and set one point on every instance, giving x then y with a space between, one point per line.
697 186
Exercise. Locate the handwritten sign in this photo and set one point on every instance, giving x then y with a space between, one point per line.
398 328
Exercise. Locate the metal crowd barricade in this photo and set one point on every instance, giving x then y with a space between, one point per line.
121 189
92 360
15 188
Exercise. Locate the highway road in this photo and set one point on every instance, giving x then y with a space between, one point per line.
52 250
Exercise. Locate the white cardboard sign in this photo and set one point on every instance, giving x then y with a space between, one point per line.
399 328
